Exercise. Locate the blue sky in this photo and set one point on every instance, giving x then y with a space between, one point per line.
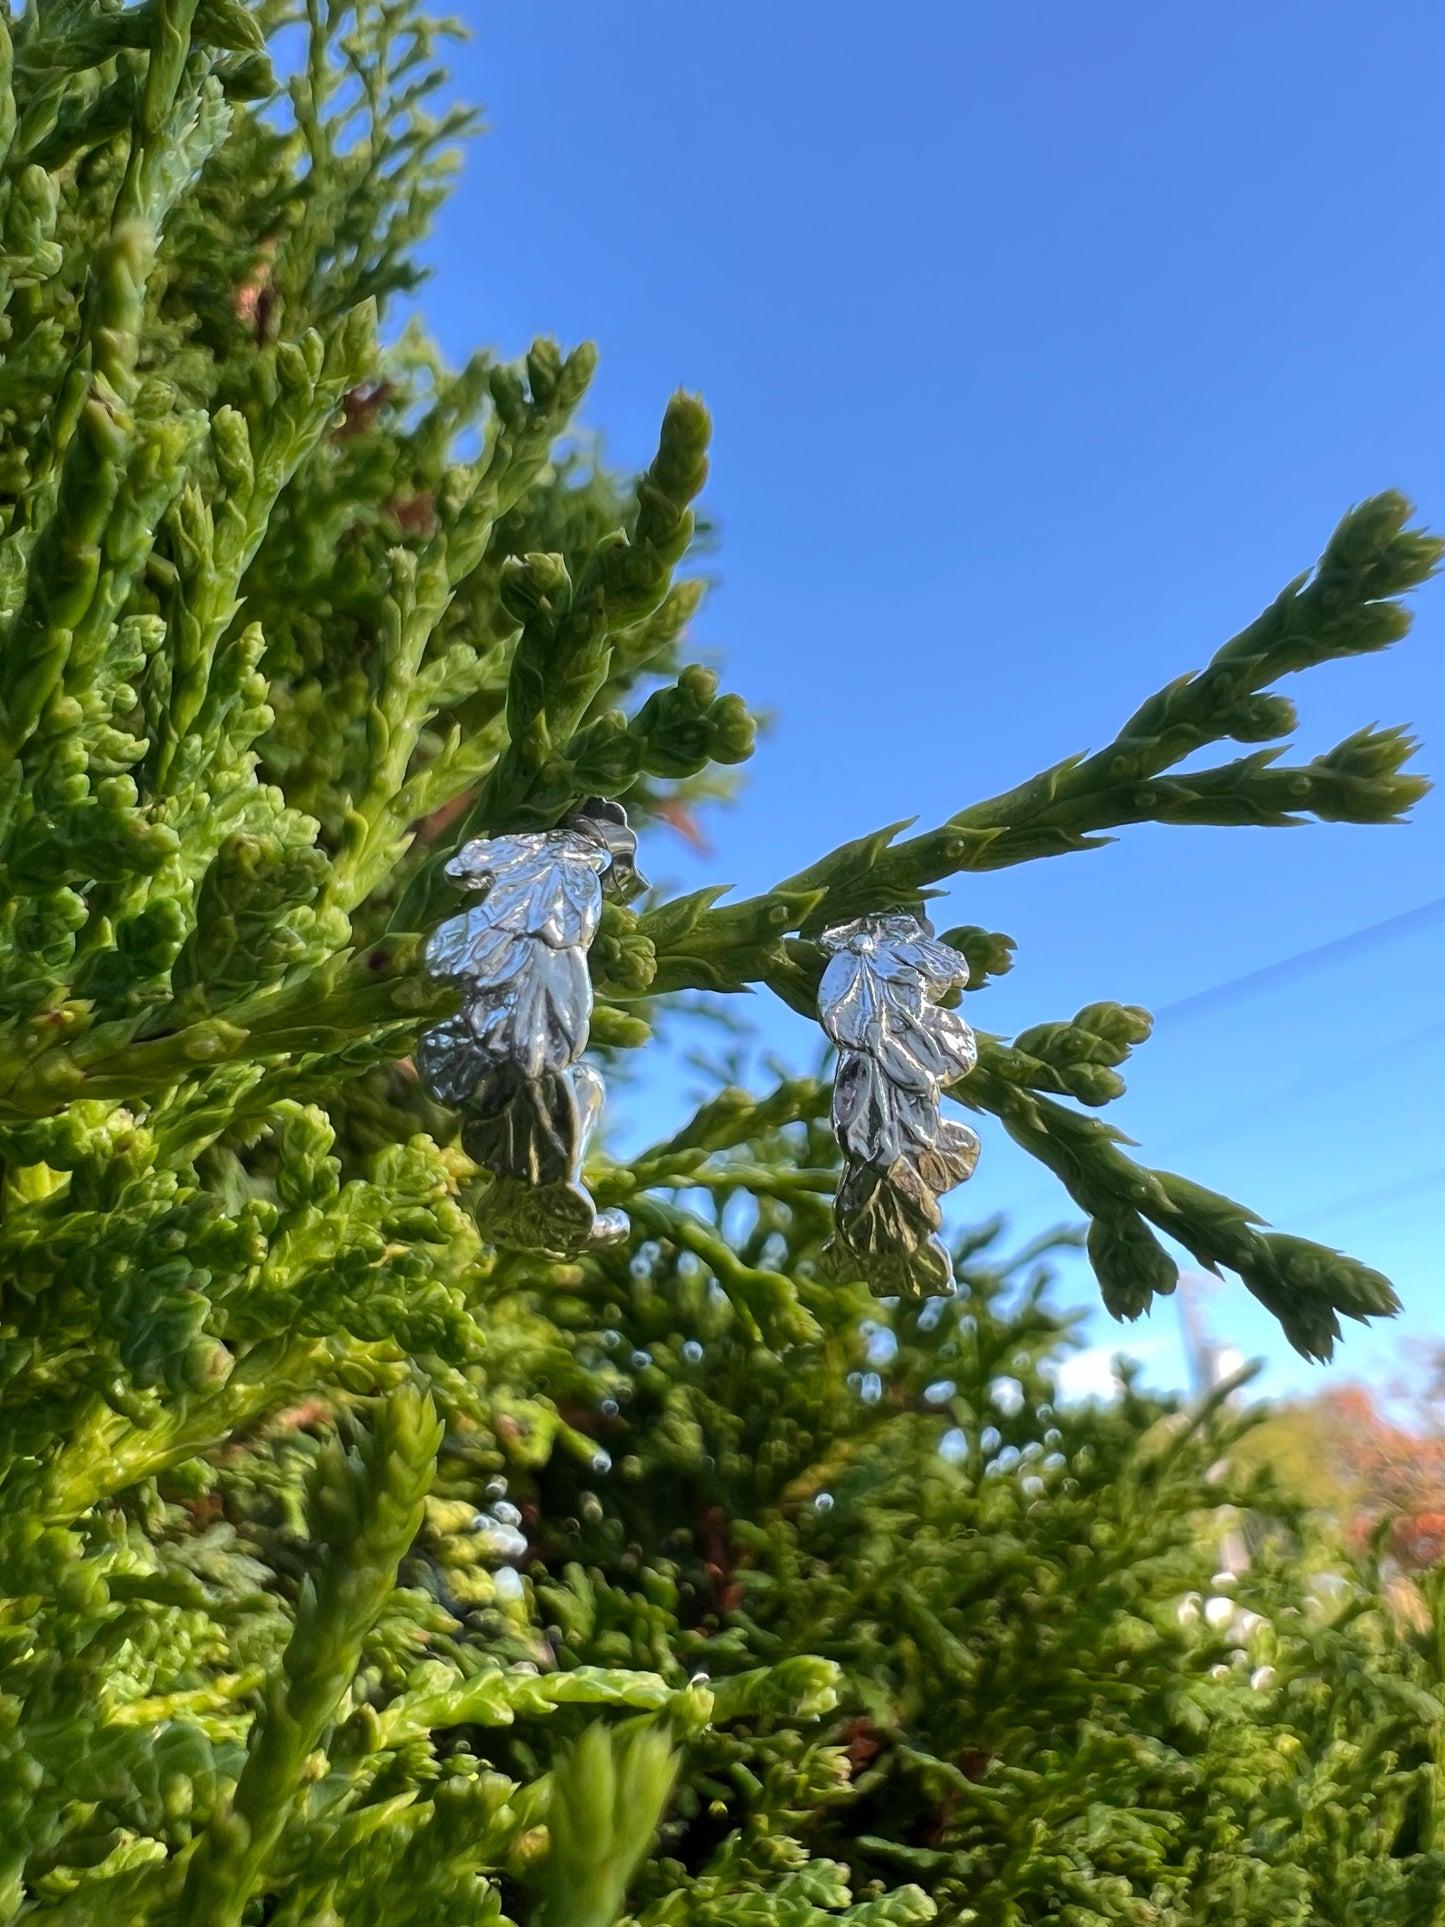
1044 344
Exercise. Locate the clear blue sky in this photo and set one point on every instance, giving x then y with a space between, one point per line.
1044 344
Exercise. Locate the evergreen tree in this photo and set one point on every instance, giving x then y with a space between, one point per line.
355 1571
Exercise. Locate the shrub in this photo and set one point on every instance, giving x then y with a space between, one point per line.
327 1529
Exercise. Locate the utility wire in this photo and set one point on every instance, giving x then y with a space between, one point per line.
1336 1078
1345 1210
1364 1201
1304 963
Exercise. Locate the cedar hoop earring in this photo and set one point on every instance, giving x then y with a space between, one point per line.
511 1059
897 1050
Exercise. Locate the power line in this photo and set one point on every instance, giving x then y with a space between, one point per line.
1364 1201
1335 1078
1304 962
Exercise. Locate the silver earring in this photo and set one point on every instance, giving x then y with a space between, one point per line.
510 1059
896 1051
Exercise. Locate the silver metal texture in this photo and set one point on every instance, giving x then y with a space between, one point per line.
897 1049
510 1059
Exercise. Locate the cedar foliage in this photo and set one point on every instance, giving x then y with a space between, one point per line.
354 1572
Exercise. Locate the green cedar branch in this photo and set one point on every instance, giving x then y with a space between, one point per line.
95 426
1348 605
1305 1286
297 388
563 656
607 1798
364 1509
528 417
772 1307
107 1452
495 1698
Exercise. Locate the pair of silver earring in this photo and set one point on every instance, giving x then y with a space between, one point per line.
512 1058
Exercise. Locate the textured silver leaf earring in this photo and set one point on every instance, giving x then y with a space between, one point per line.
510 1059
897 1049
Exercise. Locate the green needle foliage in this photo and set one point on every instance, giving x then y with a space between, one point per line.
352 1571
364 1512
